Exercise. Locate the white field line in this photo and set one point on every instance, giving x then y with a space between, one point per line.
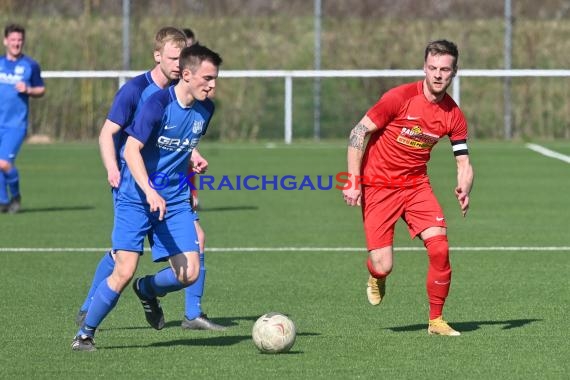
549 153
301 249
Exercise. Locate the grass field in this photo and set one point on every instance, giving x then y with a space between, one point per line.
510 298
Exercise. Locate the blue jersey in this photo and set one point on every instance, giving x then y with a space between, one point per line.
126 105
14 105
169 133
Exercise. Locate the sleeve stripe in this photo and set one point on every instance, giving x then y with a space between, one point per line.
458 147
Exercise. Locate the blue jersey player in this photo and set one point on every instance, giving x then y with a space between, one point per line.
161 140
20 79
168 43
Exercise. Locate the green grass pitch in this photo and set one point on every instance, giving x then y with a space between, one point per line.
510 298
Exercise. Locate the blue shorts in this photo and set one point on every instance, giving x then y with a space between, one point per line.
115 192
11 140
173 235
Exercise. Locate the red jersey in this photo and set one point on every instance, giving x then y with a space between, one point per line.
409 127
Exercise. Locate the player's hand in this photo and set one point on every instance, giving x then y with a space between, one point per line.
463 198
352 196
21 87
114 177
199 164
157 203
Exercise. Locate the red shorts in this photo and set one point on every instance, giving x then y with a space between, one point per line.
382 206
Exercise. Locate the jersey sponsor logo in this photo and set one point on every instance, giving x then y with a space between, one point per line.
198 126
176 145
10 78
416 138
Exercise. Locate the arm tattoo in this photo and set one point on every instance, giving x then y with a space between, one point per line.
357 136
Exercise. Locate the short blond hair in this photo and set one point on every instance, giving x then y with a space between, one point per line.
169 34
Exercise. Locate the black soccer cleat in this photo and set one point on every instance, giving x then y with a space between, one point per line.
83 343
15 204
201 323
80 317
152 310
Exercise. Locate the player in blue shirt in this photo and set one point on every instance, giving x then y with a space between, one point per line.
168 43
20 78
161 140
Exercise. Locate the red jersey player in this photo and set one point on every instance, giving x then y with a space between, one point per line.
390 179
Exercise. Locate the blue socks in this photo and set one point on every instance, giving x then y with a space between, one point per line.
13 181
3 190
104 270
104 300
161 283
193 293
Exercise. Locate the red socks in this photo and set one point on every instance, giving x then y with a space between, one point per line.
439 274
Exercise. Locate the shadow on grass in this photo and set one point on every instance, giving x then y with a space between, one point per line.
55 209
215 341
228 322
470 326
227 208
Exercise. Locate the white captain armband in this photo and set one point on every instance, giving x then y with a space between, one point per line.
459 147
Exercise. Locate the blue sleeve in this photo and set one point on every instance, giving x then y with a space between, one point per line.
36 79
124 106
148 119
210 108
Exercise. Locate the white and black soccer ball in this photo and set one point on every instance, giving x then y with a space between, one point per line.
274 333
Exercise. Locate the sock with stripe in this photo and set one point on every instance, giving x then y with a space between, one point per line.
193 293
104 300
13 181
439 274
104 270
160 284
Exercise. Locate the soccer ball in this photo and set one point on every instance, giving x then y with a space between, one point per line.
273 333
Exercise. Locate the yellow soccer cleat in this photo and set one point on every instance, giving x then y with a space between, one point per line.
376 289
440 327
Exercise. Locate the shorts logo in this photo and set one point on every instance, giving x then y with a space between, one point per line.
437 218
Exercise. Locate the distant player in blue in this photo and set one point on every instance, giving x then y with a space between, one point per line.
161 140
20 78
168 43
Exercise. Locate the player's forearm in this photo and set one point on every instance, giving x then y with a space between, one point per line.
196 155
136 165
107 145
356 146
107 151
465 175
354 160
36 92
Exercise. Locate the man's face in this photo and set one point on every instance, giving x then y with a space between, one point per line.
203 82
439 72
168 60
14 44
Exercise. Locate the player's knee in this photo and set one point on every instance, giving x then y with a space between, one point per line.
188 277
123 273
5 166
379 268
